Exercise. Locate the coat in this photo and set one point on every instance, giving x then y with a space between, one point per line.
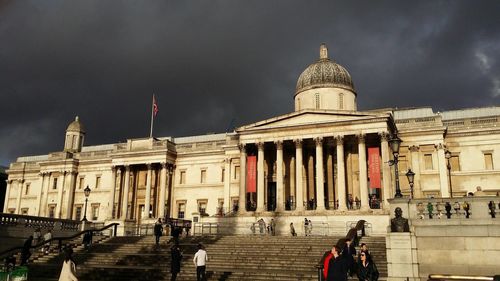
368 272
68 271
175 264
158 229
337 269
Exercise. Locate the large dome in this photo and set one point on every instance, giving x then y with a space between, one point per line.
324 74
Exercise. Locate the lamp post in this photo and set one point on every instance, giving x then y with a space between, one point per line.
394 144
86 191
447 155
411 177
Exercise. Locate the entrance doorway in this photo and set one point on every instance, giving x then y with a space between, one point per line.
271 196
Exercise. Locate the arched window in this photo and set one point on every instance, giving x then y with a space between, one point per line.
341 101
317 101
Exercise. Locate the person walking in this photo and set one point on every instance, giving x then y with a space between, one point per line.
25 252
37 236
273 227
367 271
200 261
306 226
310 229
68 271
347 253
292 230
175 264
46 238
158 230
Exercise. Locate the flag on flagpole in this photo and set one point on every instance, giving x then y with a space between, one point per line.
155 106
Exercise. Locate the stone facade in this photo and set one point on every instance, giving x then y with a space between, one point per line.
310 162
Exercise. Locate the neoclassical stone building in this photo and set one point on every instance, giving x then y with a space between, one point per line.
325 160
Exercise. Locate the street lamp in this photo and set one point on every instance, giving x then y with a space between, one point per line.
394 144
411 177
86 191
447 155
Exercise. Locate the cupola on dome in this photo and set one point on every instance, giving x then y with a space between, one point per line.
324 73
76 126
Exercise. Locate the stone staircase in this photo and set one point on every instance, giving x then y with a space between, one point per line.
255 257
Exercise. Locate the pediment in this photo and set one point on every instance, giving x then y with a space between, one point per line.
304 118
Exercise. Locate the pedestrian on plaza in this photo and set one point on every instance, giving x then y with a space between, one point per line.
200 261
335 268
175 263
273 227
456 206
47 238
348 254
358 202
26 251
309 230
175 234
158 230
37 236
292 230
252 228
492 207
439 208
466 208
350 202
306 226
87 240
262 225
367 270
363 248
447 207
68 271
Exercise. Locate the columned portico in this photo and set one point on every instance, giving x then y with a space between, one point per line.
260 177
341 173
299 205
320 181
363 174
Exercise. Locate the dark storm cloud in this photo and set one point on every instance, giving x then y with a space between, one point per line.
215 65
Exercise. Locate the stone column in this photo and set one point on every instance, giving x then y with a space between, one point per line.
163 190
299 205
45 199
125 193
363 173
243 177
260 177
386 169
20 184
60 190
280 192
341 187
7 194
227 185
443 172
147 199
330 180
112 192
40 194
70 194
415 166
320 176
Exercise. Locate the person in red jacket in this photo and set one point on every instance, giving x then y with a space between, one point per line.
335 266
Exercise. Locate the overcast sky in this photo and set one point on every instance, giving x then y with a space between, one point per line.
215 65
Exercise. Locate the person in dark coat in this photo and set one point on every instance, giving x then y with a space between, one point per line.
367 271
348 254
87 240
175 234
158 230
175 264
25 252
337 267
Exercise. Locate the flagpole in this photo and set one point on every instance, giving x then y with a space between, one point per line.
152 112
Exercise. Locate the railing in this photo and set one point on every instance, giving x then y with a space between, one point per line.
443 277
354 234
454 208
35 222
59 240
205 228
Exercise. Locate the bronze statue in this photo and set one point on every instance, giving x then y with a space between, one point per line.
399 224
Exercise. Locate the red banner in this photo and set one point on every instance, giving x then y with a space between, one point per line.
374 167
252 174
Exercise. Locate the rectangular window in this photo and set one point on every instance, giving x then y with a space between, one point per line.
455 163
202 207
203 176
223 175
181 209
81 182
54 184
182 178
52 211
24 211
78 212
97 181
27 189
236 172
488 161
12 211
95 212
428 162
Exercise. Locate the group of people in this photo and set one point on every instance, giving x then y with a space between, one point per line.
307 228
340 263
270 228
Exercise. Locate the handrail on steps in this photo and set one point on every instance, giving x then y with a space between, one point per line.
7 252
442 277
352 235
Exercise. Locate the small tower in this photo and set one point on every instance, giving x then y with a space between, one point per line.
74 136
